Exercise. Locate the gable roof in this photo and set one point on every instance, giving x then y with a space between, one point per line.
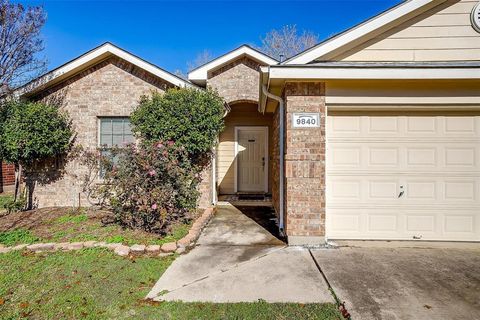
200 74
91 58
365 31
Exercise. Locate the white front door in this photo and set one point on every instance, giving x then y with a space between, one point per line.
251 159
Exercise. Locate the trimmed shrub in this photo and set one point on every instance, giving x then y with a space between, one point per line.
32 132
191 118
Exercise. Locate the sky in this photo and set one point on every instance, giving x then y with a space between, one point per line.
172 33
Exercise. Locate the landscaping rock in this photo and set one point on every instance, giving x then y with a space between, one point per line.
89 244
122 250
165 254
138 248
193 234
112 246
19 247
153 248
101 244
5 250
169 247
61 246
37 247
180 250
185 241
75 246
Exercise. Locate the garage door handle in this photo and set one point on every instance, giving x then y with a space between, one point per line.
401 192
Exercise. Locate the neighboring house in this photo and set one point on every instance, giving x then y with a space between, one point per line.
372 134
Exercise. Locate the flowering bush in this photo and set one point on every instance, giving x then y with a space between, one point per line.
150 186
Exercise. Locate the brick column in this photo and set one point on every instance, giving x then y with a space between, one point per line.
7 177
305 165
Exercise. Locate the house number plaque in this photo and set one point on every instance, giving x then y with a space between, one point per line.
306 120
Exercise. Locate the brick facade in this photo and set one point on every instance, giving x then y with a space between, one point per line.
237 81
7 176
305 165
276 162
110 88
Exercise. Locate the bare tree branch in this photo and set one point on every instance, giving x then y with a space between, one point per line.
286 42
20 43
202 58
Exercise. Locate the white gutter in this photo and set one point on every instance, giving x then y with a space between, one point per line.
374 73
214 175
281 153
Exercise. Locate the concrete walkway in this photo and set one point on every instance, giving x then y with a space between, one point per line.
236 260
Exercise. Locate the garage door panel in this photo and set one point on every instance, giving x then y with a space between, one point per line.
434 191
459 156
404 126
414 224
403 177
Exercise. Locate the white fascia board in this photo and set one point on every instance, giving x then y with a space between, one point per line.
201 74
98 53
319 73
360 31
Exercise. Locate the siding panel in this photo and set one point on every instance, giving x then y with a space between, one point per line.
445 35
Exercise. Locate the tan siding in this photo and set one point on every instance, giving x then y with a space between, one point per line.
442 34
463 94
242 114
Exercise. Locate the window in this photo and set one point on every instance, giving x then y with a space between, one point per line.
114 132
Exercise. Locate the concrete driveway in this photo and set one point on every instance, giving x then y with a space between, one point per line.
238 260
384 280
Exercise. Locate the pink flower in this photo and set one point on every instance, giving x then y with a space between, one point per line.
152 172
154 206
159 145
171 143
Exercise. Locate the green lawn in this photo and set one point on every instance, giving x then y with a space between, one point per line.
96 284
4 198
67 225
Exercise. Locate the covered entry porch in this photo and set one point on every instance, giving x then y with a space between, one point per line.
244 156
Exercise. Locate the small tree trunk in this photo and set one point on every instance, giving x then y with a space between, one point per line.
18 177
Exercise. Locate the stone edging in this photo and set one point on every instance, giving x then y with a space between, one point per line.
179 247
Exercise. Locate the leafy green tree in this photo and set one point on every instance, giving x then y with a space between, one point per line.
190 118
32 132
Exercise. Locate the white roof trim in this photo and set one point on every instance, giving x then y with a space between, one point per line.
362 30
200 74
419 73
99 53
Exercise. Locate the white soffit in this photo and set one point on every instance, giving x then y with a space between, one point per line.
93 56
200 74
363 30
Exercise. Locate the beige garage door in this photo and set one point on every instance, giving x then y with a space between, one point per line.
403 177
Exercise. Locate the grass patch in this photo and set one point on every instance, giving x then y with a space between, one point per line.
4 199
18 236
96 284
67 225
72 218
